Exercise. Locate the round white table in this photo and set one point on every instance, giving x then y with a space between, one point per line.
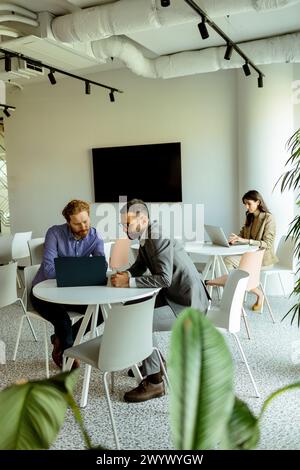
215 264
92 296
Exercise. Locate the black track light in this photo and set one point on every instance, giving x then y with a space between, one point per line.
228 52
260 81
87 88
51 77
112 96
7 63
165 3
246 69
5 111
203 29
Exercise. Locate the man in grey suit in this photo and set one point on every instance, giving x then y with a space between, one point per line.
170 268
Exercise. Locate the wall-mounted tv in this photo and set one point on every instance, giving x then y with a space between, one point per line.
148 172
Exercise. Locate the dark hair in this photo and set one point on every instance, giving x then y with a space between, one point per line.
75 207
254 195
135 205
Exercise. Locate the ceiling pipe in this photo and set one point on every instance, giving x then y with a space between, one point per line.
280 49
16 9
131 16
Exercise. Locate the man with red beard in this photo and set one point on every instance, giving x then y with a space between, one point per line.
74 238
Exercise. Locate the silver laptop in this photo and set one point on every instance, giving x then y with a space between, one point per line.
217 235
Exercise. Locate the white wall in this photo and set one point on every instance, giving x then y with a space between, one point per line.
296 95
50 136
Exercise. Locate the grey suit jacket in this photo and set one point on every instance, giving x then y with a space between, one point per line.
171 269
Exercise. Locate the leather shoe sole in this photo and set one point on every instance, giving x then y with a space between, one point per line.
145 391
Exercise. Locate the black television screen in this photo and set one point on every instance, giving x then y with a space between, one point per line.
148 172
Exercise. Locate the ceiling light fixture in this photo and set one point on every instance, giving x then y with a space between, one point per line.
228 52
6 108
7 64
52 70
246 69
260 80
165 3
203 29
87 88
231 45
51 77
112 96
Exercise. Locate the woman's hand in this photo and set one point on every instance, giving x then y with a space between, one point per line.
235 238
120 279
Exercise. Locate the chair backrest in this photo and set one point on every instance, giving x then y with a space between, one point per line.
29 275
5 248
233 298
120 253
8 284
285 252
107 251
19 245
36 250
127 337
251 263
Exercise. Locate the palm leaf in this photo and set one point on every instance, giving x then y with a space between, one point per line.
32 413
200 369
242 428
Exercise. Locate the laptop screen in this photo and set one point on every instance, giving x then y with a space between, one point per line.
72 271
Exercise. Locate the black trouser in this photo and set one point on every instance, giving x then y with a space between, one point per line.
57 314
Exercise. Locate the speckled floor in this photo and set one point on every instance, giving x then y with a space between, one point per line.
145 425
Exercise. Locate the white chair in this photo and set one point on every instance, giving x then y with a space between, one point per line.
107 251
6 249
20 250
228 315
29 275
127 340
8 295
285 254
36 250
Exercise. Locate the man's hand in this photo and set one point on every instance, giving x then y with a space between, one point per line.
120 279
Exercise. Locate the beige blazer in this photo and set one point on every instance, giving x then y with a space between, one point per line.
263 236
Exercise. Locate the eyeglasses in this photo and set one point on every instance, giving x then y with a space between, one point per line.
124 225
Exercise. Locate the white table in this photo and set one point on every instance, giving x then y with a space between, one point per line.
215 264
92 296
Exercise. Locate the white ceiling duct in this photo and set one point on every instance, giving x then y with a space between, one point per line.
130 16
16 9
279 49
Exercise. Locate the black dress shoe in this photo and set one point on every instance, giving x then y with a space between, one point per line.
145 391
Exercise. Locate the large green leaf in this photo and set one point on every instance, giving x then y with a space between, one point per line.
33 412
201 371
242 428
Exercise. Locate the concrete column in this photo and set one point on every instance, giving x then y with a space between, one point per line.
265 122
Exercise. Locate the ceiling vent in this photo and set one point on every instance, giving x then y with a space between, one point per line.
21 69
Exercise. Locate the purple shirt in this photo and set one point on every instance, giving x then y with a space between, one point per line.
60 241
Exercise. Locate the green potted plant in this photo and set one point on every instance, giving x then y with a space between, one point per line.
291 180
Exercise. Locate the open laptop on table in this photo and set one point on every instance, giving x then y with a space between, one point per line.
73 271
217 236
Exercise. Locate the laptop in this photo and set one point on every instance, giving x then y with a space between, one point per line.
73 271
217 236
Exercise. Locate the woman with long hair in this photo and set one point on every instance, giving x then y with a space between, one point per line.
259 230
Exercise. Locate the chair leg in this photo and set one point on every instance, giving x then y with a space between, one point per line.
244 317
19 280
112 382
282 286
246 363
18 338
163 367
28 319
85 386
46 350
105 375
268 304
